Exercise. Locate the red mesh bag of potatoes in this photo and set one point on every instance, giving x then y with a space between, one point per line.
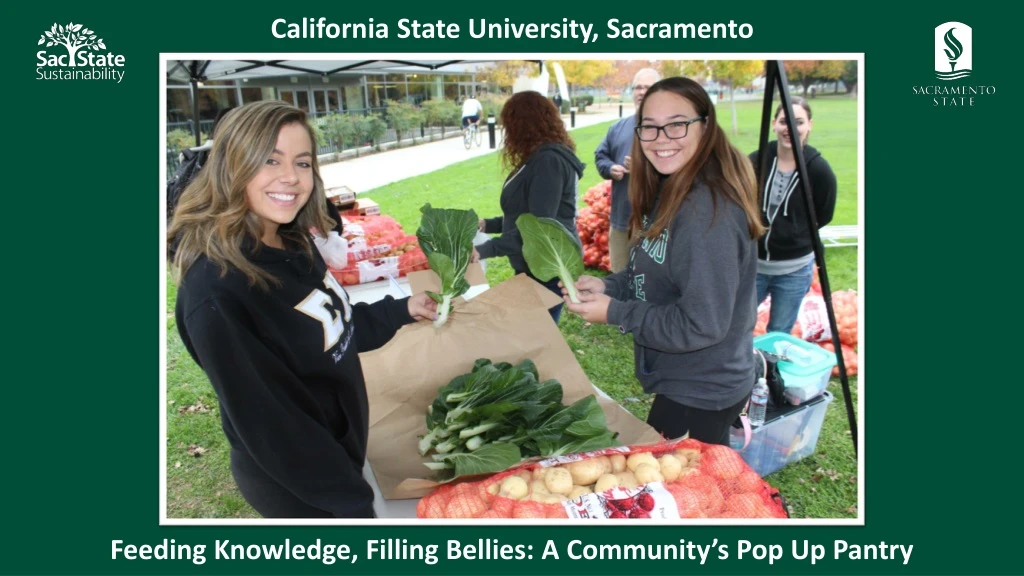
670 480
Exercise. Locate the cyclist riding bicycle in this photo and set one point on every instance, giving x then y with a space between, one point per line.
472 110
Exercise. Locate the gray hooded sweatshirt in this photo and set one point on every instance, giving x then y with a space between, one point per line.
688 298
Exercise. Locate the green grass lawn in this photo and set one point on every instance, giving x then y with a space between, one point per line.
821 486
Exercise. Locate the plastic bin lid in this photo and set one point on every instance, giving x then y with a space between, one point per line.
817 358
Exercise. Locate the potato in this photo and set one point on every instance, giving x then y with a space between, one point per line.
514 487
578 491
688 456
585 471
618 462
607 481
558 481
627 480
647 473
639 458
670 467
538 487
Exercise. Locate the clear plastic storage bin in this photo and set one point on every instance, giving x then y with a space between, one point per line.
783 439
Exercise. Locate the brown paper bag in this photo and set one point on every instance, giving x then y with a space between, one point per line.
508 323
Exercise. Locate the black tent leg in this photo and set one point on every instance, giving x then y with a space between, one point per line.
776 76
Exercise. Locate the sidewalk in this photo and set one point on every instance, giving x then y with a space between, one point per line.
368 172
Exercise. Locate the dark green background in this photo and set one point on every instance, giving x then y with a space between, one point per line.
82 196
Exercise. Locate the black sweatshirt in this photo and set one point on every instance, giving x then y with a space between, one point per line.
547 186
788 236
285 367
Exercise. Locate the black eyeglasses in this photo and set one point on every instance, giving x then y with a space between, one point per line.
672 130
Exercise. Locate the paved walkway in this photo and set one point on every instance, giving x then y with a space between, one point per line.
368 172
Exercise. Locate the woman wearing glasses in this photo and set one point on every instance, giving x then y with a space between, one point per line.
785 254
687 295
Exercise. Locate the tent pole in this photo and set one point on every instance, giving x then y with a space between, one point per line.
776 75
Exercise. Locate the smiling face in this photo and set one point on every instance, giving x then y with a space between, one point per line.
285 182
668 156
803 127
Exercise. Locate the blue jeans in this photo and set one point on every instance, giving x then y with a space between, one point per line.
787 291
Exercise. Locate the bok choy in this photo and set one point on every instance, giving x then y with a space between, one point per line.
446 237
550 250
488 420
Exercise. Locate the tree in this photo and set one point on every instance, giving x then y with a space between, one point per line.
695 69
849 76
582 72
830 71
801 72
73 37
502 75
735 73
620 77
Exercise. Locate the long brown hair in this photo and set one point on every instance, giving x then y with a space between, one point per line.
530 120
716 162
213 216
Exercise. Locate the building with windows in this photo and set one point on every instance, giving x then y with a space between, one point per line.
318 87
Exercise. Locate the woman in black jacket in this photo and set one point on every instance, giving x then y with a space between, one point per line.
543 179
260 313
785 254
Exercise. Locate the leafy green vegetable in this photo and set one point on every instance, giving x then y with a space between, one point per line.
550 250
476 417
446 237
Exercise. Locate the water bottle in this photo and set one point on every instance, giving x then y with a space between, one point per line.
758 403
794 353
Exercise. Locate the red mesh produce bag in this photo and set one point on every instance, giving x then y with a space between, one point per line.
593 225
685 479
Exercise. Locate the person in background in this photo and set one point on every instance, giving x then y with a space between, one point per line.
557 99
687 293
543 180
275 333
612 159
472 110
785 254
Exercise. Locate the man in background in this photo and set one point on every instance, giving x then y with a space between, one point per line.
612 159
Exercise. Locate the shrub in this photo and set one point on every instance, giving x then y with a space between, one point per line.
341 129
179 139
403 117
441 113
492 104
582 101
371 128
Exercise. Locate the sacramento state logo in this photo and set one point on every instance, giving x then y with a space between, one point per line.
953 51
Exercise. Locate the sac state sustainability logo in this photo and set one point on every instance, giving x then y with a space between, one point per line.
953 51
77 53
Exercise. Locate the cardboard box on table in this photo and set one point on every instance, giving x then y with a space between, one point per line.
507 323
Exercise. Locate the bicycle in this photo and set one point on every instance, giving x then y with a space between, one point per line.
470 134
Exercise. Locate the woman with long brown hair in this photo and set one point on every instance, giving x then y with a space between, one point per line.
543 179
687 294
261 314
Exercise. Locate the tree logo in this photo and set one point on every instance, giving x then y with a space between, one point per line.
953 51
74 37
80 55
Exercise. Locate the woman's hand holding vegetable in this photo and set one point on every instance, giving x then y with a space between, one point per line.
475 257
422 307
593 306
586 284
